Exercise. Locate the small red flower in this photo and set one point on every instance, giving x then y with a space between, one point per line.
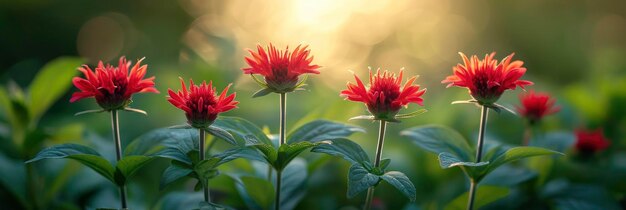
385 95
535 106
201 103
487 79
280 69
589 142
113 87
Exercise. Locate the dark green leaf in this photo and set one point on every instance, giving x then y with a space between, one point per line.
128 165
14 181
294 183
447 160
205 169
508 175
82 154
172 173
260 190
384 163
183 140
345 149
517 153
484 195
320 130
438 139
288 152
269 153
410 115
262 92
238 152
50 83
243 130
222 134
402 183
359 179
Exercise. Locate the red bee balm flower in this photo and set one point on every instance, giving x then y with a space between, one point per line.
280 69
385 95
536 105
201 103
487 79
591 141
112 86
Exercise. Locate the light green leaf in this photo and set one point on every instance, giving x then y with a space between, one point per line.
262 92
50 83
82 154
288 152
363 117
410 115
320 130
359 179
401 182
438 139
260 190
484 195
222 134
128 165
345 149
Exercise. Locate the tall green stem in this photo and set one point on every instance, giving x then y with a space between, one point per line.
479 153
281 141
115 124
379 153
205 183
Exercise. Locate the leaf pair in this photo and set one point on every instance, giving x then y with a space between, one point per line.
362 174
454 150
118 174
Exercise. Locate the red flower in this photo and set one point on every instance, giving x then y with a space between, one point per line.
385 95
487 79
536 105
201 103
112 86
280 69
591 141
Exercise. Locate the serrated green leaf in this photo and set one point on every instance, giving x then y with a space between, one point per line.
222 134
345 149
172 173
50 83
438 139
244 131
484 195
262 92
359 179
260 190
320 130
401 182
128 165
82 154
410 115
288 152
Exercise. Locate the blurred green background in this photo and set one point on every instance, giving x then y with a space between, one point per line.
574 50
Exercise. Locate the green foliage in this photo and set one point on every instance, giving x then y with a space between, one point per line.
320 130
484 196
260 190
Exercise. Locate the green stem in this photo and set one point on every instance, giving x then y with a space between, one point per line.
115 124
479 151
205 183
379 153
281 141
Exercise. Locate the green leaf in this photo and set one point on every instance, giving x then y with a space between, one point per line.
345 149
179 143
244 131
438 139
447 160
205 169
359 179
262 92
363 117
128 165
172 173
498 106
269 153
410 115
222 134
288 152
260 190
384 163
258 81
484 195
13 178
320 130
51 82
238 152
294 184
402 183
517 153
82 154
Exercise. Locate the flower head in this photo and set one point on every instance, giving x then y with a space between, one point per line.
535 106
280 69
385 95
113 87
487 79
201 103
589 142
